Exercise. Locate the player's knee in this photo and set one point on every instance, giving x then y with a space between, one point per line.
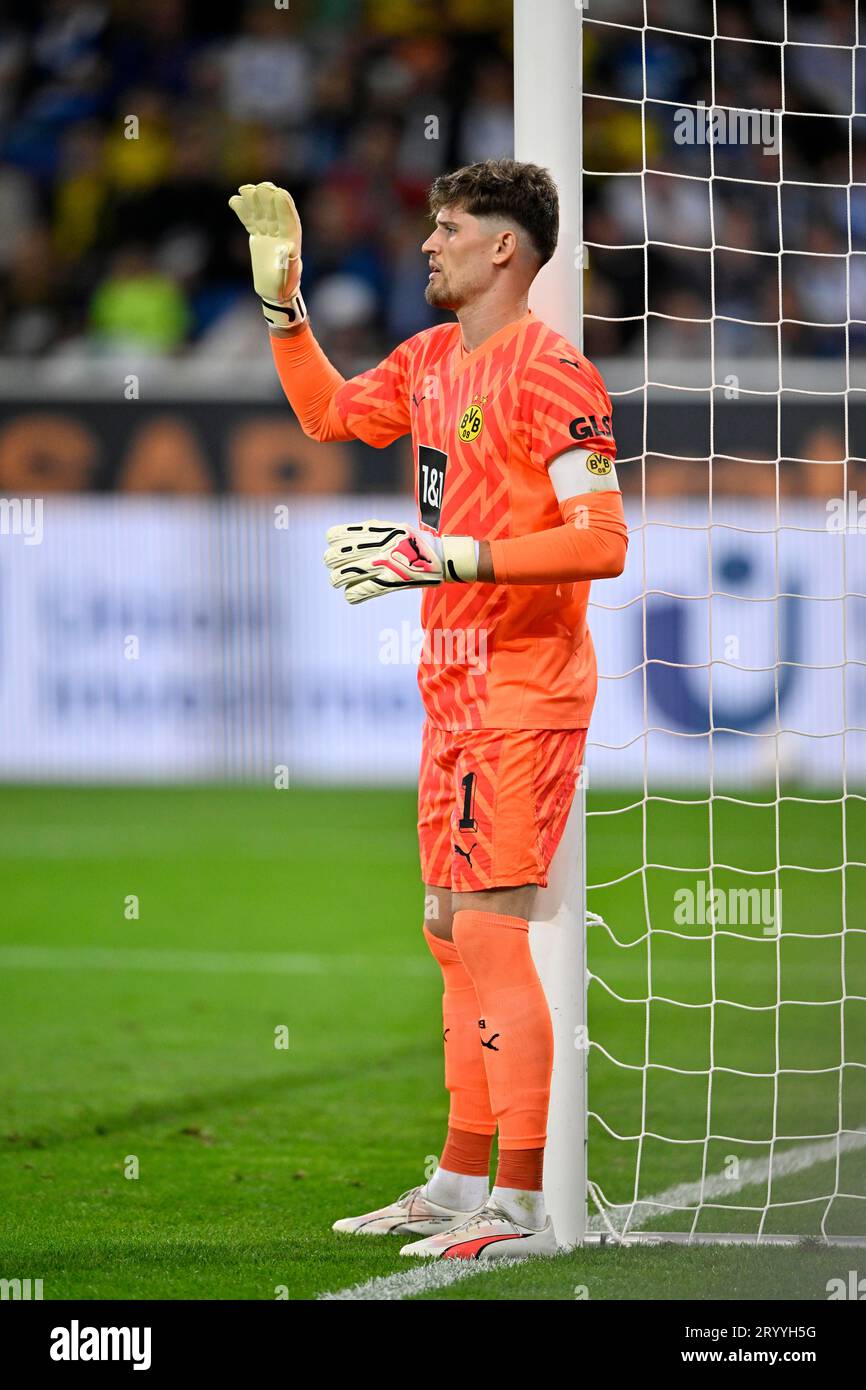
510 902
438 917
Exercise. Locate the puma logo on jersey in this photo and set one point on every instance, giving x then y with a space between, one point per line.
467 853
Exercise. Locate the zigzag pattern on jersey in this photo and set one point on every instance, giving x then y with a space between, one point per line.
495 486
469 615
476 498
380 395
557 392
477 502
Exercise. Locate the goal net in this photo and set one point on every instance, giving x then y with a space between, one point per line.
724 194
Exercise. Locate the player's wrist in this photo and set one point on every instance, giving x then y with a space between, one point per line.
296 332
459 556
291 315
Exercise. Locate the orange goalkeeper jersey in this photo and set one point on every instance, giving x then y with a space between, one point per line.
485 426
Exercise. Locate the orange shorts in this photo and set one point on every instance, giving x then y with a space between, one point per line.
492 804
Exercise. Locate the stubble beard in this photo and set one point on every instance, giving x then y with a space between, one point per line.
437 293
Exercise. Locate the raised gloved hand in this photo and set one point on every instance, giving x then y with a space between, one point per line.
271 218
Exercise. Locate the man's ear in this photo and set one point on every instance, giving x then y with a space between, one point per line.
506 246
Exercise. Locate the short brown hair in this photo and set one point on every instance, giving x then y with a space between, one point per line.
503 187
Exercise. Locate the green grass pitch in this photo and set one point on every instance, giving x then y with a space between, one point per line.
146 1044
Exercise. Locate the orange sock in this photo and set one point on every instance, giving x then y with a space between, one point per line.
521 1168
516 1032
467 1153
465 1076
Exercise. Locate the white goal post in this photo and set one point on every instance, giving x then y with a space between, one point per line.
795 1167
547 130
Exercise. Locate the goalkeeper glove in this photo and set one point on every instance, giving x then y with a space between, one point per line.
271 218
376 557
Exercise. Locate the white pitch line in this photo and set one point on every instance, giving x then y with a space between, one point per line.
86 958
438 1274
429 1274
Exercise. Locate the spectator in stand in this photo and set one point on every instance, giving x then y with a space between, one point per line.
138 307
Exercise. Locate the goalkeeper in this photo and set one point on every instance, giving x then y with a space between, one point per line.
519 509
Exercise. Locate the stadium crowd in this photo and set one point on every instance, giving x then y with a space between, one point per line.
124 128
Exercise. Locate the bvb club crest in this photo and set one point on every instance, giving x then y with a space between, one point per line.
471 424
599 464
